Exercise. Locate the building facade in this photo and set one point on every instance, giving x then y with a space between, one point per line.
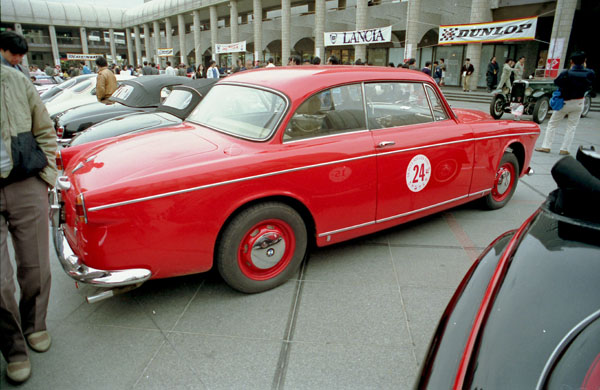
279 28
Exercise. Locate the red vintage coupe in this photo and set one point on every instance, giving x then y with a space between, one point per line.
270 162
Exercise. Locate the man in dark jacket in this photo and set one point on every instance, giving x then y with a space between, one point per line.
573 84
491 76
13 48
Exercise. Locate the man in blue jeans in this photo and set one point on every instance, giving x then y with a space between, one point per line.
573 84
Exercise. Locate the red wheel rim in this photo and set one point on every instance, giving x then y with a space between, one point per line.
504 182
266 249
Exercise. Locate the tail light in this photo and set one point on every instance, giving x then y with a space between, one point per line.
60 130
59 161
80 213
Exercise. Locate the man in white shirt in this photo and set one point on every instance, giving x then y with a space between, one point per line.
212 72
270 64
169 70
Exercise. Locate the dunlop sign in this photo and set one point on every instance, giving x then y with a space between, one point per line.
506 30
82 57
362 37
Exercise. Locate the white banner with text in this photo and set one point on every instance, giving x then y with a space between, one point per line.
237 47
165 52
82 57
505 30
361 37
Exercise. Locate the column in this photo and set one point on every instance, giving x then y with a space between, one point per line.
360 51
198 55
213 31
257 24
147 45
480 12
84 44
156 28
561 31
138 45
412 29
130 59
54 45
24 61
113 49
285 31
233 22
169 35
320 29
181 32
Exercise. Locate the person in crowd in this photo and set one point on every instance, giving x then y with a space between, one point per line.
427 68
443 66
190 69
155 68
316 60
249 64
573 84
294 60
212 72
50 71
85 69
169 70
437 72
270 63
306 61
13 47
181 70
520 68
73 71
199 73
467 70
257 64
146 70
491 75
507 70
106 81
412 64
359 62
333 60
27 169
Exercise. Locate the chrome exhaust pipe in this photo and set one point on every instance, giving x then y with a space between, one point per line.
111 293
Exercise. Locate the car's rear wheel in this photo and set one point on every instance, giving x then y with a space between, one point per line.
497 107
505 182
262 247
540 110
587 103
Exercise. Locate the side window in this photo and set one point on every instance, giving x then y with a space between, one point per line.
333 111
439 113
396 104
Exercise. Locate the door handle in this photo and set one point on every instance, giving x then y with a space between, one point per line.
383 144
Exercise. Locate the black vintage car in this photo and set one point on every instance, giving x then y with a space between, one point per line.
173 110
527 313
142 94
534 95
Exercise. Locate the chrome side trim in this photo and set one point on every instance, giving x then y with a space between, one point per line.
326 136
107 206
403 214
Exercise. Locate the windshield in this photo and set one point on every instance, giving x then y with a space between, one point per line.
242 111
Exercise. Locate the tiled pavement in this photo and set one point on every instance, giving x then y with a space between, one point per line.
358 316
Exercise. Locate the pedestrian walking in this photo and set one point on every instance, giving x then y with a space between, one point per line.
199 73
519 68
27 169
507 70
573 84
437 72
106 81
443 66
13 47
491 76
169 70
467 70
212 72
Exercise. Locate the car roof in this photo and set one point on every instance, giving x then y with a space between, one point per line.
146 89
299 81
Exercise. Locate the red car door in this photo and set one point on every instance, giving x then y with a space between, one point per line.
424 158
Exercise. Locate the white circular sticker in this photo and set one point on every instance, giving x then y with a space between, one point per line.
418 173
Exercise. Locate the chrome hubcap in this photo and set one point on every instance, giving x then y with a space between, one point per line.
267 250
503 182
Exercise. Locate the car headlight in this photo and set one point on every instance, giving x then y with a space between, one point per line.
528 91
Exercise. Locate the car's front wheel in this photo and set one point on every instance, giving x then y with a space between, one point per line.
505 182
540 110
587 103
497 107
262 247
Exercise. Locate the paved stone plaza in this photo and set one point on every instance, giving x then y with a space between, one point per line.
359 315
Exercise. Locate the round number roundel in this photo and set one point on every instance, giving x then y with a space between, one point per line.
418 173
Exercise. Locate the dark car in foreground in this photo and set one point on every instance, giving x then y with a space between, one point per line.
527 313
141 94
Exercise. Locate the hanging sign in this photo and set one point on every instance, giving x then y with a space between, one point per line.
506 30
236 47
361 37
165 52
82 57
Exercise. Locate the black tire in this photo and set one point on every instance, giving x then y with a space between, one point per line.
497 106
262 247
540 110
502 192
587 104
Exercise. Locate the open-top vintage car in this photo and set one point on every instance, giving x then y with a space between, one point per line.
142 94
271 162
527 313
530 97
